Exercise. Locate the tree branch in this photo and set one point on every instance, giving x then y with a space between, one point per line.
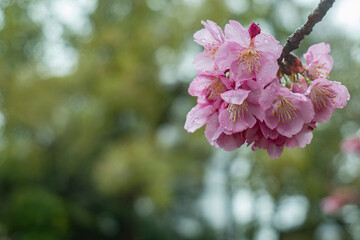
294 40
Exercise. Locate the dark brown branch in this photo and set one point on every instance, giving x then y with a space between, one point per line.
294 40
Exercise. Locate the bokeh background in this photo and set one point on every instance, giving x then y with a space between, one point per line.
93 99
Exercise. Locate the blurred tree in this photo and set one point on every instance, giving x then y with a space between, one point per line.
99 152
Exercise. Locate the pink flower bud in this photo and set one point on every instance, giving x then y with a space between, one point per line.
254 30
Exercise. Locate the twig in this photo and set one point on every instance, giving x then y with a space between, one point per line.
294 40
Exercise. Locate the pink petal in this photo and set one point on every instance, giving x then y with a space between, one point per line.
267 72
239 125
268 46
268 95
197 117
212 128
323 115
235 96
267 132
229 84
226 55
270 121
286 128
235 32
231 142
305 109
256 110
315 50
253 134
275 151
199 84
215 30
342 95
203 63
203 37
301 139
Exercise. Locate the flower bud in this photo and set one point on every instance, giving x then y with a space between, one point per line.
254 30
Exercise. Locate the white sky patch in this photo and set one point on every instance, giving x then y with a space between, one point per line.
193 3
307 3
236 6
2 19
349 169
241 168
176 68
291 212
188 227
243 206
213 201
328 231
265 207
38 12
266 233
265 26
345 15
186 69
59 58
52 30
287 16
156 5
74 14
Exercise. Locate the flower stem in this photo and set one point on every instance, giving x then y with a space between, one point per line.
294 40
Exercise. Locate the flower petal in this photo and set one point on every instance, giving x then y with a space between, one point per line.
235 96
197 117
235 32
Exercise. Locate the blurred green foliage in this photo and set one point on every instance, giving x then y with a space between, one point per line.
101 153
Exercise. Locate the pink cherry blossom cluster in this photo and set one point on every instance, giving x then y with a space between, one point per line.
241 98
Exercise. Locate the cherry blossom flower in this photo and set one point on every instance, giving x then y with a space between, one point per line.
326 96
319 62
236 115
285 111
208 88
249 52
211 38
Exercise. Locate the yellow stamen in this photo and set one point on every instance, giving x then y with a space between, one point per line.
320 95
237 111
249 60
319 71
284 109
214 89
211 49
